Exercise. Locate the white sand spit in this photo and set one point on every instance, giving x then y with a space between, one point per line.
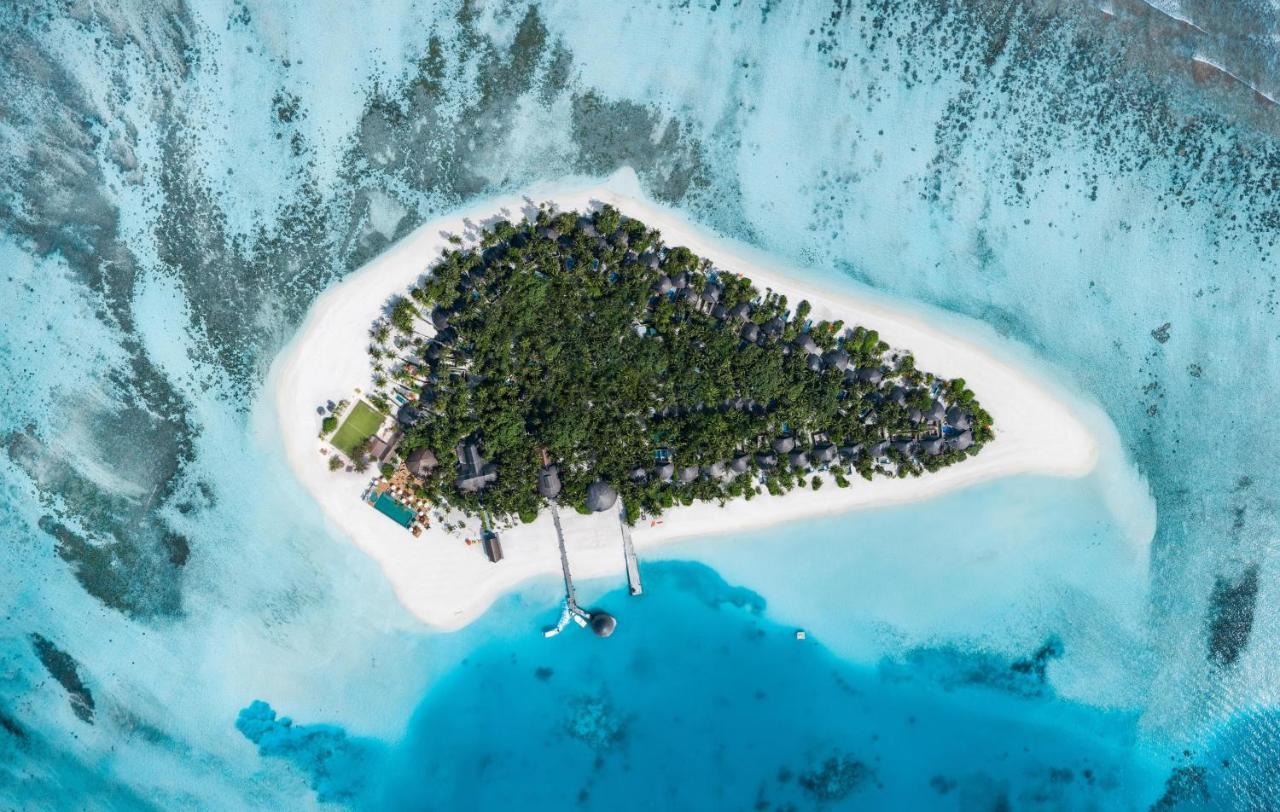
447 583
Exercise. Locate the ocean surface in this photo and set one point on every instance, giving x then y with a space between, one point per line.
1094 183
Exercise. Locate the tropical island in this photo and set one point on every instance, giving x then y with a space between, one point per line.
407 402
575 356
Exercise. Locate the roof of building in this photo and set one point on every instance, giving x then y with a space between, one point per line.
814 362
477 482
421 461
711 292
784 444
870 374
750 332
962 440
407 415
664 284
933 446
798 458
878 449
739 463
637 475
766 459
688 473
958 418
838 359
492 547
549 481
715 470
805 342
665 470
603 624
774 325
600 496
850 451
824 452
742 311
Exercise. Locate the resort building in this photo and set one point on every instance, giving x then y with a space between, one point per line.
823 453
933 446
422 462
836 359
474 474
600 496
549 481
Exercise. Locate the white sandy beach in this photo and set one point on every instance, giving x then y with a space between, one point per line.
447 583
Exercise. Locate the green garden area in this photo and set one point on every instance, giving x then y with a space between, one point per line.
361 424
586 341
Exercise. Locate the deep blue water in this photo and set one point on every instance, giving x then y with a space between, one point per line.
920 684
700 701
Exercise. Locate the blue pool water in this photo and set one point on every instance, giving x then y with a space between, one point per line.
390 507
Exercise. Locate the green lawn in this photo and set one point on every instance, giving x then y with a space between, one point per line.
360 425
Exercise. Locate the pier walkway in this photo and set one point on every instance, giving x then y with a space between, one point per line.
629 551
571 597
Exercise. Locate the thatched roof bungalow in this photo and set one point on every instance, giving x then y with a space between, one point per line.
600 496
549 481
422 462
958 418
836 359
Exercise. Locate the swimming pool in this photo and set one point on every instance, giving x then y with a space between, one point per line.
390 506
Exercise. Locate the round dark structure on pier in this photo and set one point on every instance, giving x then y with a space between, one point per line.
603 624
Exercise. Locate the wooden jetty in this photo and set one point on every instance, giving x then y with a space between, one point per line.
629 552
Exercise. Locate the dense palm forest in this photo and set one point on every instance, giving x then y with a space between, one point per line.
583 341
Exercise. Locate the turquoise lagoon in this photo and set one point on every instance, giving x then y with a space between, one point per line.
977 650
